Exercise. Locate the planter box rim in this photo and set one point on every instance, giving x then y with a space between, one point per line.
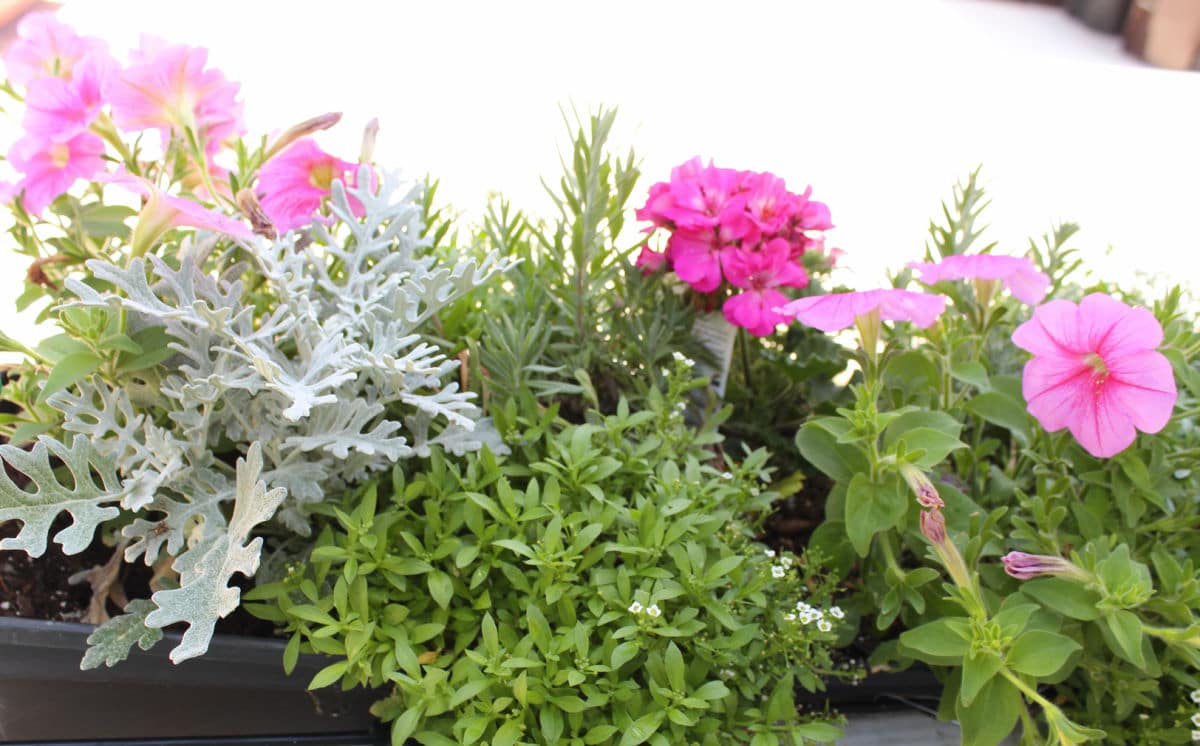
43 633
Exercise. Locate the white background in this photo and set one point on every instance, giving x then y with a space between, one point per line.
880 105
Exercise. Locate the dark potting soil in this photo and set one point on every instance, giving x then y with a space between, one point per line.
794 518
40 588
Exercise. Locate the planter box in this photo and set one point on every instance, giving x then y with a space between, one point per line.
915 687
237 689
238 694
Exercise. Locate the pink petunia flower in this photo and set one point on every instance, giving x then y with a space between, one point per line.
167 88
164 211
48 48
51 168
759 273
1022 279
1095 371
831 313
1024 566
58 109
295 182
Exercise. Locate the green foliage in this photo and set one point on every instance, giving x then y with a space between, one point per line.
1103 645
600 586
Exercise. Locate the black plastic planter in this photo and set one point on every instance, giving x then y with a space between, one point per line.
235 692
913 689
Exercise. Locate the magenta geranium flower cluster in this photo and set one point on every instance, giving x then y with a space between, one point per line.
740 228
80 102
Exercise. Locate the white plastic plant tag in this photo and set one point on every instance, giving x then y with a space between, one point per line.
716 335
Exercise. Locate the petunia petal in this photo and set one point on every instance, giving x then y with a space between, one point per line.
1028 286
1055 389
1101 426
829 313
1143 384
1053 330
1134 331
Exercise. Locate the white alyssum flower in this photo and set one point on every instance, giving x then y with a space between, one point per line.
824 625
635 608
1196 720
786 561
777 571
769 552
1195 695
681 358
801 606
806 617
728 475
790 616
1196 735
836 612
654 611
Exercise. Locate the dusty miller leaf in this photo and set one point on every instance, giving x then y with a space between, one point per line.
111 642
342 428
82 497
204 595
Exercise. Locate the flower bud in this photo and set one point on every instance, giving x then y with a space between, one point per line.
918 482
304 129
1024 566
247 201
367 153
933 525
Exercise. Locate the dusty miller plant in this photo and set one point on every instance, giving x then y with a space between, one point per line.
301 358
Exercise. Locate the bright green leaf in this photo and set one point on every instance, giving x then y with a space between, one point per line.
1039 653
871 508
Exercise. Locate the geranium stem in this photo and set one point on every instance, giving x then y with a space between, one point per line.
744 343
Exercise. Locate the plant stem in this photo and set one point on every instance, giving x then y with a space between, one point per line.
1024 688
744 343
889 554
1029 729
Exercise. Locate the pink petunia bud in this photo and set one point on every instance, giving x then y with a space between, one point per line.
933 525
366 153
1024 566
918 482
302 130
248 203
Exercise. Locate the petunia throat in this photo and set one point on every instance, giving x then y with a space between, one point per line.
1098 366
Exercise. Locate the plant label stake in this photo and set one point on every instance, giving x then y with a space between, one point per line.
716 335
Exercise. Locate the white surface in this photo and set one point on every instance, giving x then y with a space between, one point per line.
879 105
